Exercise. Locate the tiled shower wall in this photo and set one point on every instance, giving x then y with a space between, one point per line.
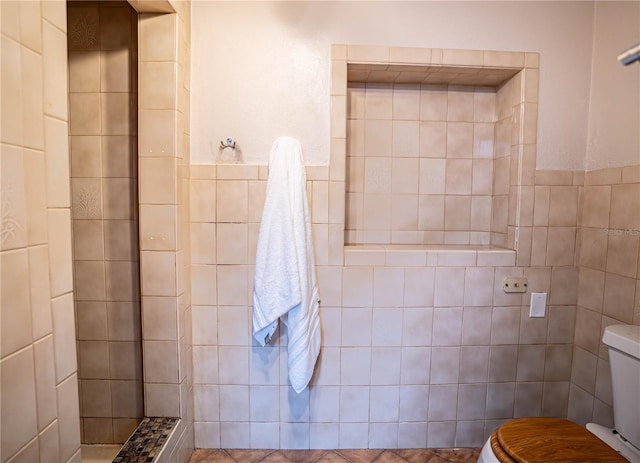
609 285
420 163
103 114
39 384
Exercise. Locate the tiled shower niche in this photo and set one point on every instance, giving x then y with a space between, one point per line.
436 147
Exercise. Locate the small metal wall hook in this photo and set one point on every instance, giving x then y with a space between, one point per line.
229 143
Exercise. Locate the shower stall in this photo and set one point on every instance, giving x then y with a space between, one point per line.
102 56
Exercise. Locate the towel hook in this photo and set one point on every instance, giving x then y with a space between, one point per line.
229 143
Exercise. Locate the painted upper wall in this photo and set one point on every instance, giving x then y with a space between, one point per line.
614 113
262 69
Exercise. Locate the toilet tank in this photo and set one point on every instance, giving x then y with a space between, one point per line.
624 356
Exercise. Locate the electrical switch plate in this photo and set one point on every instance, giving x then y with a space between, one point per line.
538 305
514 285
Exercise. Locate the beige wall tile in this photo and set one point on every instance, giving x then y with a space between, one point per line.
115 71
32 101
457 213
478 287
36 200
618 297
162 400
87 198
88 240
64 338
625 206
406 102
95 399
121 281
379 101
83 118
124 320
112 35
367 53
60 268
119 156
126 397
203 284
54 48
458 176
160 83
338 116
44 365
459 104
39 288
405 138
596 206
115 116
157 132
593 248
14 233
591 289
11 90
159 321
89 280
203 200
460 140
563 206
161 361
157 227
609 176
18 401
57 162
158 273
125 360
561 245
433 103
622 254
233 201
158 37
563 286
91 319
86 156
68 423
120 240
157 181
84 71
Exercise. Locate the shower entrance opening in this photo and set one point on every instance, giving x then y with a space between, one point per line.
102 55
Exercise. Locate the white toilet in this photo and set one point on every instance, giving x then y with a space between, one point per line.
538 440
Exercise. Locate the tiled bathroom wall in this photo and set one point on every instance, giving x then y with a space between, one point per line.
103 143
608 285
421 346
39 384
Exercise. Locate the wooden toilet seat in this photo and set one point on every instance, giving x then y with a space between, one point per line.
549 440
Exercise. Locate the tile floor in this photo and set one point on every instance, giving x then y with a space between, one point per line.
467 455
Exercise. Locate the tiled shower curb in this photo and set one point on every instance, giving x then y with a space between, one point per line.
147 441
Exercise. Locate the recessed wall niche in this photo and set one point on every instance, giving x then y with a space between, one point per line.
439 144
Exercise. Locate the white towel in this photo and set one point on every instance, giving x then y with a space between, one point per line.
285 279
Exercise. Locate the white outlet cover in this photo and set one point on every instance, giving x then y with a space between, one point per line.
538 305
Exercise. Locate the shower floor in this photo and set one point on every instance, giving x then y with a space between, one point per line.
467 455
99 453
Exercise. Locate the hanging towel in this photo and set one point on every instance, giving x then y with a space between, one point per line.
285 279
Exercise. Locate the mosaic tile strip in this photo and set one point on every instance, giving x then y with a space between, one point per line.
147 441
